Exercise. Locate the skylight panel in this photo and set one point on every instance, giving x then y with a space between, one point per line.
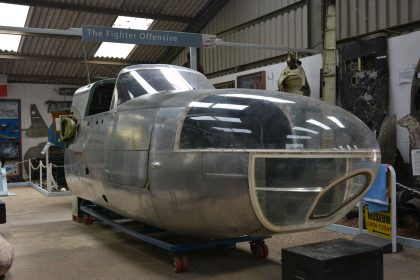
12 15
120 50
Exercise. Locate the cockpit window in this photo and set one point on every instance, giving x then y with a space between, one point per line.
148 81
128 88
196 81
232 122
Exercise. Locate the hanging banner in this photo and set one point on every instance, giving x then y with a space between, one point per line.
3 85
147 37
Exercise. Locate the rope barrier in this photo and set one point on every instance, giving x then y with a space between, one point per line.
15 163
408 188
32 167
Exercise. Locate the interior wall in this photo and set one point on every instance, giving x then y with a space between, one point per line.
404 53
311 64
36 94
265 22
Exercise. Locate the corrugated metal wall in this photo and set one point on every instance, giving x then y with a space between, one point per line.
267 22
357 17
285 23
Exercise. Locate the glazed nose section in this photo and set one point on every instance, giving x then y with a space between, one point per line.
309 162
291 192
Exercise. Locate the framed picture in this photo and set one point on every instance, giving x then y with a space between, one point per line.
254 80
228 84
10 130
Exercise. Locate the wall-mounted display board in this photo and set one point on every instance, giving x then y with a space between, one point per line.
10 131
254 80
364 86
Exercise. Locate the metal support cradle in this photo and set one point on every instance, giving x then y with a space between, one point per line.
91 212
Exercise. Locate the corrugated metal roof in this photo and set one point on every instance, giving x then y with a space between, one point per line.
62 59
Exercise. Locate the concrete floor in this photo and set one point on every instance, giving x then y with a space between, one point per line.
49 245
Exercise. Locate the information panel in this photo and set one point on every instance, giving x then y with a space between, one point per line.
379 223
147 37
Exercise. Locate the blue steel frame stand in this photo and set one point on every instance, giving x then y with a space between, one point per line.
91 212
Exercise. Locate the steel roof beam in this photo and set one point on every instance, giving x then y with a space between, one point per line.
14 56
41 32
99 10
44 79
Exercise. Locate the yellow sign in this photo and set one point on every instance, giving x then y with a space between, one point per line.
378 223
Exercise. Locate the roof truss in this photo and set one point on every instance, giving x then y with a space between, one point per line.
98 10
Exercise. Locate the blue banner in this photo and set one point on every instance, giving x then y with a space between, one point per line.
143 37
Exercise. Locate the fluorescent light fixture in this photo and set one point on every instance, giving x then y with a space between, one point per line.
337 122
305 129
200 104
298 137
119 50
226 129
258 97
203 118
317 123
294 146
12 15
234 130
226 119
217 105
229 106
222 119
241 130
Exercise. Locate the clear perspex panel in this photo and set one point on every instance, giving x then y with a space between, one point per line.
309 159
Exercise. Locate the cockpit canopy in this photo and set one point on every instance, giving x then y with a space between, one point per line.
138 80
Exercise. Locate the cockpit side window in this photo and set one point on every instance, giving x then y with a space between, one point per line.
128 88
101 99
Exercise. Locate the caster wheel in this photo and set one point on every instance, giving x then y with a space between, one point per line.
88 219
184 263
180 264
265 249
259 250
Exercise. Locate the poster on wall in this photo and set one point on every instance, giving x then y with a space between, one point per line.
10 131
3 85
254 80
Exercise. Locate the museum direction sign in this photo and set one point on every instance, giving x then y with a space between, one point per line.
147 37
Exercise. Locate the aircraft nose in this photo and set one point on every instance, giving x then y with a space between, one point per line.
308 161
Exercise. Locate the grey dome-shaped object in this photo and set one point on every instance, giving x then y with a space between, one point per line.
6 256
